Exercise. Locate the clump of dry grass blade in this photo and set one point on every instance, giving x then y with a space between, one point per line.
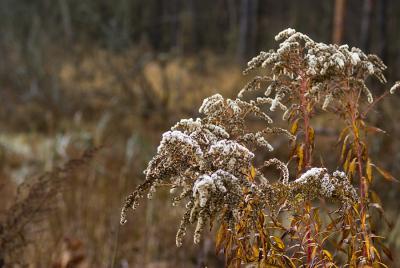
34 200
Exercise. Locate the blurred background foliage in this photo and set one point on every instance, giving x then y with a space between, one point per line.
81 74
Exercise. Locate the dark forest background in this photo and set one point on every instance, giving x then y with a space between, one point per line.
233 27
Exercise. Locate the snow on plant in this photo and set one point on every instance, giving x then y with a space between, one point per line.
395 87
209 162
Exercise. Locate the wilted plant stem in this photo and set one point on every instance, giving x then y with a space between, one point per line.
306 122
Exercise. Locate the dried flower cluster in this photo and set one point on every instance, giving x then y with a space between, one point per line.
300 59
210 159
35 200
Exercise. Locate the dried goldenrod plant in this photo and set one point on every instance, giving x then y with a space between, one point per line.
34 201
209 162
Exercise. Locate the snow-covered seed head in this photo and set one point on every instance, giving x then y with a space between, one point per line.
395 87
206 161
327 69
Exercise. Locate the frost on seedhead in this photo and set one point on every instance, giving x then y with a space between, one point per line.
209 160
327 70
314 183
395 87
320 183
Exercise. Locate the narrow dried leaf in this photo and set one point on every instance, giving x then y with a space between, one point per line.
317 220
311 135
277 242
289 262
253 173
375 197
374 130
356 131
385 174
300 157
368 170
327 254
385 250
344 147
348 158
378 264
256 253
314 252
342 133
220 238
367 242
375 253
352 167
294 127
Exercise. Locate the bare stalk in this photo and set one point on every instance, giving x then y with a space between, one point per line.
353 112
307 154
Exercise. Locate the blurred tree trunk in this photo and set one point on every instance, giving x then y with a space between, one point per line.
383 43
174 20
338 21
189 27
126 19
66 18
154 22
248 29
232 9
365 34
233 22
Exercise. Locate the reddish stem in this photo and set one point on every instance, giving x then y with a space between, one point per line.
306 121
307 154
